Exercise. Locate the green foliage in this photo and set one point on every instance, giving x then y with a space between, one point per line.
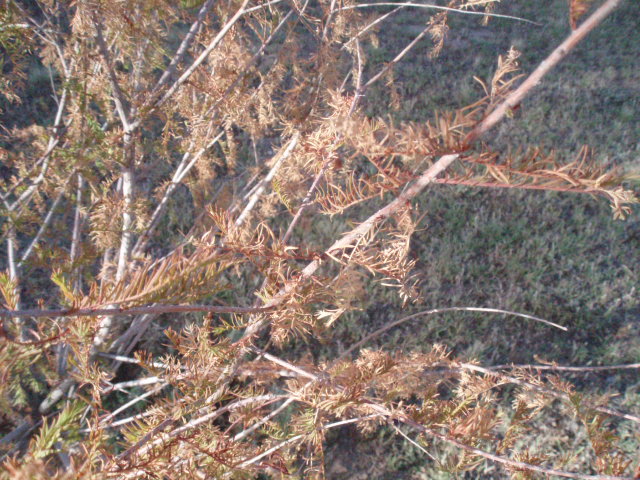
54 433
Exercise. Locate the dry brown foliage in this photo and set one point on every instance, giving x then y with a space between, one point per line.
185 133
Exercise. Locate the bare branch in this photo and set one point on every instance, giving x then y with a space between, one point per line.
396 59
548 391
513 464
140 382
545 67
180 173
118 95
239 436
295 438
255 57
140 451
125 359
104 422
283 363
45 158
438 7
43 226
198 61
155 309
413 442
267 179
569 368
306 202
400 321
372 24
184 46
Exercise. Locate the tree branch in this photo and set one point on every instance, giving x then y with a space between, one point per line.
155 309
438 7
184 46
197 62
118 95
43 226
400 321
609 411
181 171
547 64
265 181
569 368
512 464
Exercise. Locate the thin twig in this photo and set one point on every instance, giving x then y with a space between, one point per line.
424 313
184 46
124 421
156 309
438 7
284 156
141 449
548 391
413 442
568 368
545 66
139 382
512 464
239 436
118 95
15 185
388 66
43 226
252 61
294 439
180 173
283 363
105 421
267 179
45 158
125 359
198 61
372 24
306 202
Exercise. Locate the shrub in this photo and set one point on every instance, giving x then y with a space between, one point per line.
164 231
